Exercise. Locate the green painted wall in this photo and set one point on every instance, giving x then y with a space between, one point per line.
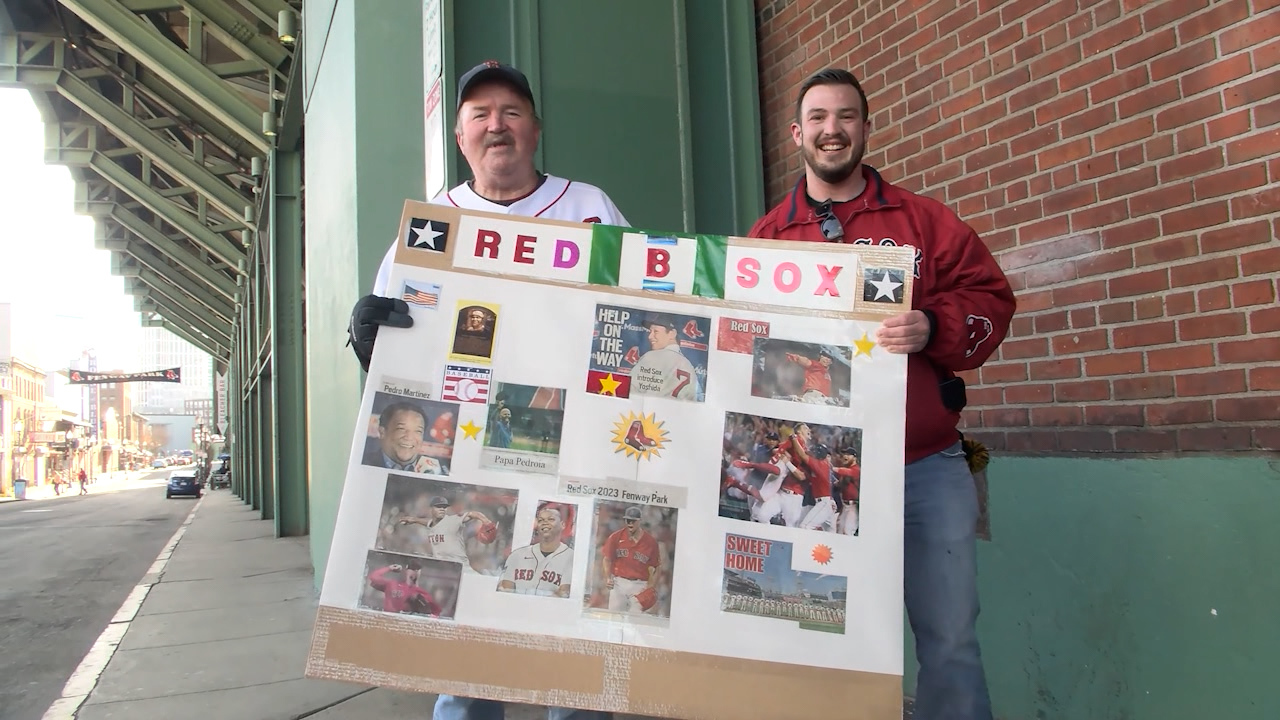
364 149
1101 583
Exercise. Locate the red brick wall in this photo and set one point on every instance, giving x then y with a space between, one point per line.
1122 160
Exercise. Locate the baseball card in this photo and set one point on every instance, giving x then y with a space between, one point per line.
545 566
759 580
800 372
409 585
475 329
632 552
523 430
409 433
467 524
792 473
637 352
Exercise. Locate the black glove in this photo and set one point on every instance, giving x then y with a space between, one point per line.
370 312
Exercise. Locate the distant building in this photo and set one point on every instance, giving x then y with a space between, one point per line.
162 349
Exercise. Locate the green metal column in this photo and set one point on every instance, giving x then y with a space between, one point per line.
288 346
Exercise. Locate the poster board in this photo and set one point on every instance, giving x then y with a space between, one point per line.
564 384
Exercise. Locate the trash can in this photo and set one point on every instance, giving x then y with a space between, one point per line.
19 489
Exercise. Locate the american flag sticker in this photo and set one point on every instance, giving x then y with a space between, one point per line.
421 294
465 383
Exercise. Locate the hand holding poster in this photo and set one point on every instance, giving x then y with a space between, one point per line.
645 494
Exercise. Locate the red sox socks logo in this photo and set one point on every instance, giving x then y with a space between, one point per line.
691 330
639 436
979 330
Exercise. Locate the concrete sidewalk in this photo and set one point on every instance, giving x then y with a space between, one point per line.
224 632
101 482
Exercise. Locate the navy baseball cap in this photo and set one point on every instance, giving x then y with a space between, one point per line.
632 513
661 320
440 501
494 71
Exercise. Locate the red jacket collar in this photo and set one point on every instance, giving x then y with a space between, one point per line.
878 194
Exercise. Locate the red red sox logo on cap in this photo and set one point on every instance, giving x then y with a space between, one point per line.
491 63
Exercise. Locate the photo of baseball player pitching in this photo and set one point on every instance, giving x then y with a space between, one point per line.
467 524
417 586
411 434
786 472
545 566
800 372
649 353
758 580
633 548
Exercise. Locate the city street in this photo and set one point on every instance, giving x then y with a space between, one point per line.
68 563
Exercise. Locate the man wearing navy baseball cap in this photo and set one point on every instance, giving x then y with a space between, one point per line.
497 129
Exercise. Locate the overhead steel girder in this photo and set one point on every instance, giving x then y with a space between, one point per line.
179 69
199 341
163 292
175 310
135 133
242 37
216 244
268 11
194 288
187 259
193 111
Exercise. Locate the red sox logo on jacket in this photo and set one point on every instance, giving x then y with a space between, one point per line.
979 330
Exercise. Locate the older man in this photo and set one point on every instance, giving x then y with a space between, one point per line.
497 130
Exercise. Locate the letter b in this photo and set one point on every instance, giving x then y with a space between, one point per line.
659 263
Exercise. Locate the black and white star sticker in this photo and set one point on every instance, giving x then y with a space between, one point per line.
427 234
882 285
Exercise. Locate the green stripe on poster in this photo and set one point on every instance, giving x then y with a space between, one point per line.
606 254
708 273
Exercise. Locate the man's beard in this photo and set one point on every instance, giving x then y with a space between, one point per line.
833 174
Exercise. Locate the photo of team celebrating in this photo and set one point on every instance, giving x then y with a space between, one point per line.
466 524
785 472
632 551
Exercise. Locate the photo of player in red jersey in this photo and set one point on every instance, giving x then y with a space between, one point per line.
632 552
800 372
786 472
397 583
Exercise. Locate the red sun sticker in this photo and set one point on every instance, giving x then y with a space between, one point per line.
822 554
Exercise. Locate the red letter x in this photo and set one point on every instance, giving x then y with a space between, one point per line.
827 286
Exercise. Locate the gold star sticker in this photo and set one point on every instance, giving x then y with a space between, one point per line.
470 430
864 346
609 386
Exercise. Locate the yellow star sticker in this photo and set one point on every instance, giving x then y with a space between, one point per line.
609 386
470 430
864 346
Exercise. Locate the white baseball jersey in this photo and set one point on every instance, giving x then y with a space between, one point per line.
667 373
538 573
555 199
445 538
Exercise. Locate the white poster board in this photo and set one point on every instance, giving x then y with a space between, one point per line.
567 489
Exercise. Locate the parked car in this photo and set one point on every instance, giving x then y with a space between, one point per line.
157 463
183 482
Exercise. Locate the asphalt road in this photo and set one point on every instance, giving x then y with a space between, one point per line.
66 565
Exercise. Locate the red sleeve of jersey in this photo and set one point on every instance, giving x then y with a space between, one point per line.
970 297
378 578
852 473
610 544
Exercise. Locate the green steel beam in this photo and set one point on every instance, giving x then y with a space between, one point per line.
267 10
189 260
174 310
288 346
195 113
135 133
235 68
237 33
157 268
118 24
216 244
201 342
164 293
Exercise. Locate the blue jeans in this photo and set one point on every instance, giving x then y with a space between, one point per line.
941 587
452 707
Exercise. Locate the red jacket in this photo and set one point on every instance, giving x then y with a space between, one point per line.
957 281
